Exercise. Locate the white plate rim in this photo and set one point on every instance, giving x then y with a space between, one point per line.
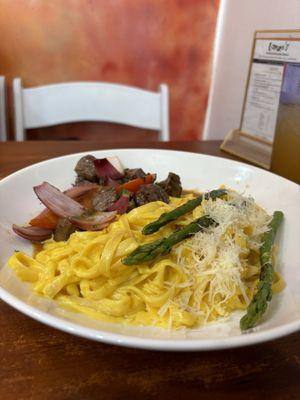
244 339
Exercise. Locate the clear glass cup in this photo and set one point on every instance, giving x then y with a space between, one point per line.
286 146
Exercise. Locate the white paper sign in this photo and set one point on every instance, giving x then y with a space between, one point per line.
262 100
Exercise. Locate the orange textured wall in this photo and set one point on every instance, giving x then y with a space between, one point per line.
135 42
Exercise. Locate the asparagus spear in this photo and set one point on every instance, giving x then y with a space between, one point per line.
165 218
259 303
151 250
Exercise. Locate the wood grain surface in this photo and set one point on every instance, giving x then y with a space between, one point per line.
38 362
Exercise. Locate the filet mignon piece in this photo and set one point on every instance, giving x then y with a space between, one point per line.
133 173
104 198
85 169
172 185
149 193
81 181
131 204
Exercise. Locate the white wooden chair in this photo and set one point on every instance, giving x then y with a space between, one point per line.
54 104
3 130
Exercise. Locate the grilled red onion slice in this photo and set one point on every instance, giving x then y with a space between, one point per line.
105 169
94 222
77 191
120 205
32 233
58 202
74 193
114 160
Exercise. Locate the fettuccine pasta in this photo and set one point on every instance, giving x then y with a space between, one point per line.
205 277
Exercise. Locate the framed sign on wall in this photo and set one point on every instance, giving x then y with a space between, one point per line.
272 53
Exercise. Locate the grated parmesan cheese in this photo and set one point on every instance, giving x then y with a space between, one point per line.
215 260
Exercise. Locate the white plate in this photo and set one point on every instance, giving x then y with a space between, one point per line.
18 204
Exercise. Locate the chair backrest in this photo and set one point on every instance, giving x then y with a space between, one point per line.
3 130
60 103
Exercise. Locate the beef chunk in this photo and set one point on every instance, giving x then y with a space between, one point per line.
85 169
63 230
81 181
104 198
172 185
151 192
131 204
133 173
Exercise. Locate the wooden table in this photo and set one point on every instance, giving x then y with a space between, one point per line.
38 362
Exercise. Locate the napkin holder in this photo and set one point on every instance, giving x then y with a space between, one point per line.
250 148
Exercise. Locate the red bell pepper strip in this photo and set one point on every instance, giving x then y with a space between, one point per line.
46 219
134 185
